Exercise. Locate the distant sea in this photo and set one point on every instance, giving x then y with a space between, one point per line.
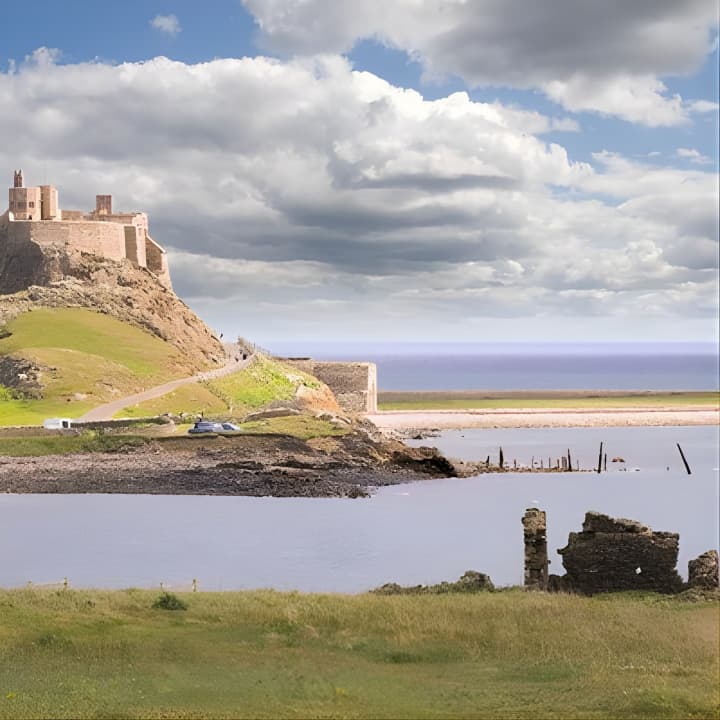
520 366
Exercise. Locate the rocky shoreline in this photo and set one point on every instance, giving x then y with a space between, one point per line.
253 465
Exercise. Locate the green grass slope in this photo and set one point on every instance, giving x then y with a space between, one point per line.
87 358
92 654
235 395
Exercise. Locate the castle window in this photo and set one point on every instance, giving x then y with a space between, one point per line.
31 204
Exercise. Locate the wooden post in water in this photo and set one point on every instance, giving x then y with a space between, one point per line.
502 459
569 461
682 455
564 463
605 462
600 459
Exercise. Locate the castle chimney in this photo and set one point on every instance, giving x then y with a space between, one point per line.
103 204
18 179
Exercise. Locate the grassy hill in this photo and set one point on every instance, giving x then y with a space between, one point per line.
85 359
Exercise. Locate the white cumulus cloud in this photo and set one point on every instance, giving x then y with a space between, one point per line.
596 56
319 198
168 24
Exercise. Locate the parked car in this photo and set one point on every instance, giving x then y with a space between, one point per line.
230 427
204 426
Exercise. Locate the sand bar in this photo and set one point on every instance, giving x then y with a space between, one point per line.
401 420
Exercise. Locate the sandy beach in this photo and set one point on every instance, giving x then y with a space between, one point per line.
403 421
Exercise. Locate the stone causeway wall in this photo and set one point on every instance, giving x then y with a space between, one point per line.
354 384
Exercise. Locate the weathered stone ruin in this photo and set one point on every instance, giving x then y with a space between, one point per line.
471 581
536 559
616 554
703 571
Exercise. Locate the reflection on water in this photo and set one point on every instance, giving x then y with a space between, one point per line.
419 533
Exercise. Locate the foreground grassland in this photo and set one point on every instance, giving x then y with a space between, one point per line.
479 401
92 358
264 381
266 655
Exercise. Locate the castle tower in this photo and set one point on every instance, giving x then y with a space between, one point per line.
103 204
49 203
24 203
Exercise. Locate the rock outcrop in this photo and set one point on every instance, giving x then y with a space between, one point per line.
471 581
616 554
116 288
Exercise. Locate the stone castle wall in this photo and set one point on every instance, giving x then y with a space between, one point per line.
98 238
354 384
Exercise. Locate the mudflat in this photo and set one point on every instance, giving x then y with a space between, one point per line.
409 420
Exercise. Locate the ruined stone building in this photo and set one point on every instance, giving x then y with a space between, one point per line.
34 216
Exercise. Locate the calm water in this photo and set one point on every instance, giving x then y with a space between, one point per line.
422 532
628 366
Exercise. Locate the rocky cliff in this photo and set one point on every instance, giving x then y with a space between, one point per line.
33 276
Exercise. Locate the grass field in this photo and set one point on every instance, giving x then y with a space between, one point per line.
89 358
94 654
397 400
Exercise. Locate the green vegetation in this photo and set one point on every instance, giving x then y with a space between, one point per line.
476 401
304 427
68 444
169 601
90 654
191 399
231 396
262 382
88 358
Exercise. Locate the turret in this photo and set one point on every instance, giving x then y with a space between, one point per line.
24 203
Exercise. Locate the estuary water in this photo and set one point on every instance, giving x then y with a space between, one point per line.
422 532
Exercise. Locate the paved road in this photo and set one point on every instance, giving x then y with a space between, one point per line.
108 411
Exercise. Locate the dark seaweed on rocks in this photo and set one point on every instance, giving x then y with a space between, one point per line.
257 465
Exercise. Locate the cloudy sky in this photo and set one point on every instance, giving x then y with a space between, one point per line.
378 170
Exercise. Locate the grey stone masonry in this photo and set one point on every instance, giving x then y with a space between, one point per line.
616 554
536 558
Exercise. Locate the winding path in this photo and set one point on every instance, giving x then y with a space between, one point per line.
108 410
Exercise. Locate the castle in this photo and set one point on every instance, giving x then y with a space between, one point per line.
34 216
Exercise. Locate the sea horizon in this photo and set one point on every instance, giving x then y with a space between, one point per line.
517 366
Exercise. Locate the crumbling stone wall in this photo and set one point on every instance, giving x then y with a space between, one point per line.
616 554
703 571
536 558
